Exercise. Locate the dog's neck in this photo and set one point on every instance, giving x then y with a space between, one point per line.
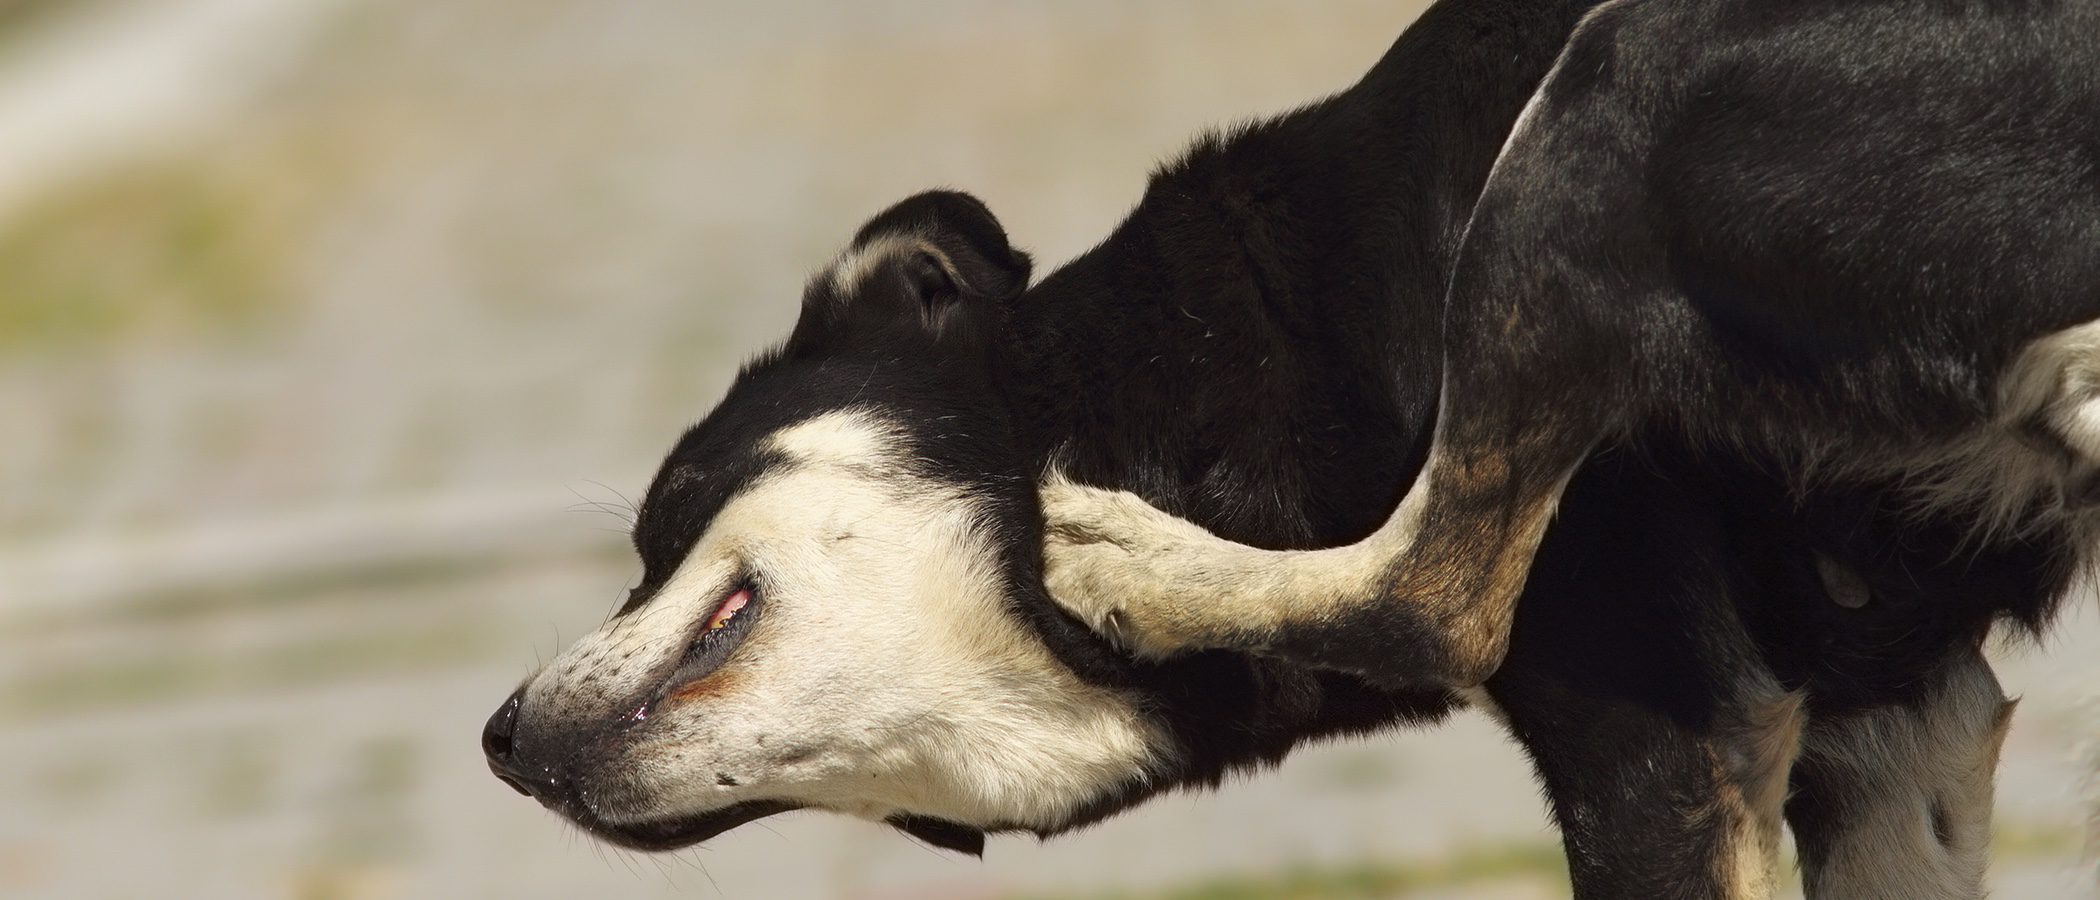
1258 346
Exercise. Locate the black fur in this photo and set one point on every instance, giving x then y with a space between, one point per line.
1815 239
1258 347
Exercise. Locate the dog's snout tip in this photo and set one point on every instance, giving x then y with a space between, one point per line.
501 728
498 744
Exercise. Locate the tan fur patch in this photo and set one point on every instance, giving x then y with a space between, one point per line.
1455 552
715 685
1758 756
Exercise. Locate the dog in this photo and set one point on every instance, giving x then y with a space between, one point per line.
843 602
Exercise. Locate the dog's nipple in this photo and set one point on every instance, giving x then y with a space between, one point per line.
1844 586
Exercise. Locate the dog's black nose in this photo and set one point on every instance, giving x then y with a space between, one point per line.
496 745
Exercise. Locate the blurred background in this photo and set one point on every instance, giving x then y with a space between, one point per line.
335 333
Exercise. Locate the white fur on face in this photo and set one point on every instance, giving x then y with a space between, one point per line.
884 674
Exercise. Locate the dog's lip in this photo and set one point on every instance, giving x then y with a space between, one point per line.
681 831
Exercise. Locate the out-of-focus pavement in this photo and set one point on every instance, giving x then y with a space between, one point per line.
331 332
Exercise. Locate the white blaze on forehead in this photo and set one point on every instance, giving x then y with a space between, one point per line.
847 436
886 673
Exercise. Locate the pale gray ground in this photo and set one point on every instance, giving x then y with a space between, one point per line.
317 319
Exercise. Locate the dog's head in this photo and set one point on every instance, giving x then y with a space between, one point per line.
840 605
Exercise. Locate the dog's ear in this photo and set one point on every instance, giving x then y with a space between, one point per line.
950 246
936 263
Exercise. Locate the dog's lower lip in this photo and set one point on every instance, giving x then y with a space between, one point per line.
515 785
672 834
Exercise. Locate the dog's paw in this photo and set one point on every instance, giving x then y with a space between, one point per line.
1110 560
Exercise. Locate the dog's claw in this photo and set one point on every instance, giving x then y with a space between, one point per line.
1107 556
1116 632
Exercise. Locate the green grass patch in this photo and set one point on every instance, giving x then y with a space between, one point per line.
1535 862
191 248
1538 863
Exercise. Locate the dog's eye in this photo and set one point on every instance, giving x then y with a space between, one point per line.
728 610
726 628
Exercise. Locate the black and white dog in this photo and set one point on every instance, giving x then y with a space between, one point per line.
843 604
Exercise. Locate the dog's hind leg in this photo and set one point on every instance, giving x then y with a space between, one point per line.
1427 599
1544 334
1650 807
1896 801
1659 730
1660 736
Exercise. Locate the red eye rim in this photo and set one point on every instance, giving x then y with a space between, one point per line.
713 644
